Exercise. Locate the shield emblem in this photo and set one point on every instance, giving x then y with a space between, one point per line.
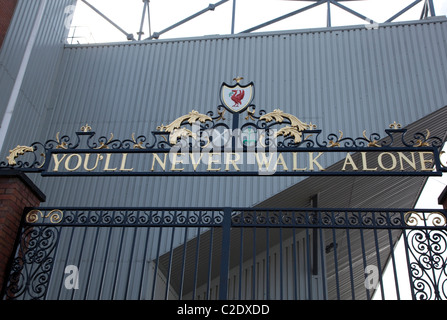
236 98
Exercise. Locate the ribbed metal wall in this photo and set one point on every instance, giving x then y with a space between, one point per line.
347 79
42 68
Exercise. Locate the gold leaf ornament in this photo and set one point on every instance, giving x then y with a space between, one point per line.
14 153
295 128
174 127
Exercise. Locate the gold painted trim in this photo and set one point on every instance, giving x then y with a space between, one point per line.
14 153
54 215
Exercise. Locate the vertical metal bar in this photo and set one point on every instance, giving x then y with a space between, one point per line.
144 263
393 260
281 287
129 273
91 264
196 264
334 241
185 240
233 19
224 262
241 257
348 243
168 275
362 241
309 272
105 261
66 259
314 201
210 257
156 263
295 278
328 13
267 263
118 262
323 268
378 263
253 275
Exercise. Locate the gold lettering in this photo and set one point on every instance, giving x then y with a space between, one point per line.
57 162
193 160
175 161
161 163
295 163
86 160
68 161
228 160
211 161
264 160
424 161
365 164
349 161
393 161
412 162
106 166
123 163
313 161
280 161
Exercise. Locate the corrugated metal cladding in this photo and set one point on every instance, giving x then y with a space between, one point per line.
347 79
42 68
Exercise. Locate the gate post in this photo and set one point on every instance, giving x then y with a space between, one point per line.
17 192
225 258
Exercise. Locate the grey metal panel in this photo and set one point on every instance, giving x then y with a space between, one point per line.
42 67
347 79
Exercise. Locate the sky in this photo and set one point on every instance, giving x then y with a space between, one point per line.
249 13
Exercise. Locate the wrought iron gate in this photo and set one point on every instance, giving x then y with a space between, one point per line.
228 253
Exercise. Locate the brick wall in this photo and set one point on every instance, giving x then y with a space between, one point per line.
16 193
6 12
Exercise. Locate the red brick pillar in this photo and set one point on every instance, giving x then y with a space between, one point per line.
6 12
443 198
17 192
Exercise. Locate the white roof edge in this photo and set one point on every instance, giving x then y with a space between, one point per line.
258 34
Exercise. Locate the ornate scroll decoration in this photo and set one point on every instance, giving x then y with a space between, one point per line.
55 216
175 130
428 263
295 129
14 153
33 263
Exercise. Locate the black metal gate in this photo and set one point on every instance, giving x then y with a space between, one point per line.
228 253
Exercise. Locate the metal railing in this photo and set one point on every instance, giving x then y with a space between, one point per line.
228 253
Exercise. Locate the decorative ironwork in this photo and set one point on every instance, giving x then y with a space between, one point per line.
424 230
33 263
275 131
427 260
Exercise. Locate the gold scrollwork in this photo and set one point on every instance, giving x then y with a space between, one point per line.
174 127
413 218
14 153
423 143
54 215
373 143
296 125
333 144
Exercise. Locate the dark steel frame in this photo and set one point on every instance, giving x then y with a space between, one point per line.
31 268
